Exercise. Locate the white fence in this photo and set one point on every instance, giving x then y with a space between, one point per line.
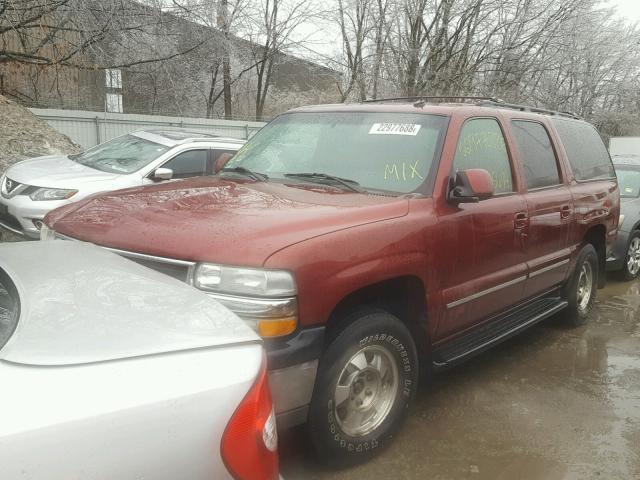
90 128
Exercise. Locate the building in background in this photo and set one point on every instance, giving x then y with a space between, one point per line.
185 81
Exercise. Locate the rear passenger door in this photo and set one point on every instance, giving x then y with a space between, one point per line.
486 269
549 207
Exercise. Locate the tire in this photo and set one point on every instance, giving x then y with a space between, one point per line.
371 365
580 290
631 266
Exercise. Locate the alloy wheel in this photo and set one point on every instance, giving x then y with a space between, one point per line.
366 391
585 286
633 257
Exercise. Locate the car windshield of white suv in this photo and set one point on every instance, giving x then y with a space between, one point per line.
125 154
354 151
628 181
9 306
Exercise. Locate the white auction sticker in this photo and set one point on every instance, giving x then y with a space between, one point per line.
411 129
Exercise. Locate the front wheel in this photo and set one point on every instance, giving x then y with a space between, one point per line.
581 288
366 381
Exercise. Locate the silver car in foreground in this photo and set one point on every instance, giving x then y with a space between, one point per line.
109 370
32 188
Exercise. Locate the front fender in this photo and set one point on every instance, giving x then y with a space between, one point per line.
332 266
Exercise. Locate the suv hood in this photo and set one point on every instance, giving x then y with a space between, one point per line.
216 220
82 304
56 171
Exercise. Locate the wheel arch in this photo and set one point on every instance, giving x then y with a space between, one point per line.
597 236
402 296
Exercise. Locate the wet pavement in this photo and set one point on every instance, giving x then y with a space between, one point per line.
553 403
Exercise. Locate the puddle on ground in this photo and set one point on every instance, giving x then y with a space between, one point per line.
553 403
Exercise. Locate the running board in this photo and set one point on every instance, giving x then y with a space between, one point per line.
495 331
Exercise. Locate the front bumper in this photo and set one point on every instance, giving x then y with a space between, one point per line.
293 365
17 214
618 254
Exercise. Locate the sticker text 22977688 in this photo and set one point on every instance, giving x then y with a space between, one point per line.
411 129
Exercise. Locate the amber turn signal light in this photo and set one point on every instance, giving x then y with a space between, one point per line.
277 327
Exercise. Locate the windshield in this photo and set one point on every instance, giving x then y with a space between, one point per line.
125 154
628 181
9 308
390 152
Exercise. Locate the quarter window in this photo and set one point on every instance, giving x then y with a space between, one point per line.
481 145
538 158
192 163
587 154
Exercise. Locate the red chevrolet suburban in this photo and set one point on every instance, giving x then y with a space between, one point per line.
368 242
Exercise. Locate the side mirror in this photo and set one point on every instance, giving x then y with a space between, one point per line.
221 161
163 174
471 186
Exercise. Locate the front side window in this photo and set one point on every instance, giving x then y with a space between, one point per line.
192 163
629 181
388 152
587 154
481 145
125 154
9 308
538 158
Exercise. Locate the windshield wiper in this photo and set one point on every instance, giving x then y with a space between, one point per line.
259 177
351 185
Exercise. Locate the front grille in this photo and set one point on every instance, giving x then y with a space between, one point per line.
178 271
10 221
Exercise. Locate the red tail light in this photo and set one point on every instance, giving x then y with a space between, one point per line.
250 442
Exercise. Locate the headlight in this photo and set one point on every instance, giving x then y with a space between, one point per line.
47 233
244 281
43 194
265 299
620 221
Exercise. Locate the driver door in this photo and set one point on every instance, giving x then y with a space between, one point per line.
486 262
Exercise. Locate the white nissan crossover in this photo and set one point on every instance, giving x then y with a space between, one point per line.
31 188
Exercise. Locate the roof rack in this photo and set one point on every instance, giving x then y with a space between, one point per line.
527 108
420 100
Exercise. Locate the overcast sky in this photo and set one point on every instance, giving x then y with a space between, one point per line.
628 9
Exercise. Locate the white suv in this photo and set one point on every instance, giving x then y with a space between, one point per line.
32 188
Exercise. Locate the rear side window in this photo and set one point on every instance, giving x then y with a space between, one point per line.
481 145
9 308
587 154
538 158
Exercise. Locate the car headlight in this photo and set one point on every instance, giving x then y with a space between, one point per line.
47 233
43 194
244 281
620 221
265 299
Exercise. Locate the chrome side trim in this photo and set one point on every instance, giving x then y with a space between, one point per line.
486 292
548 268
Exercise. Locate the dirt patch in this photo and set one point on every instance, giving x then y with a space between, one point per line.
23 135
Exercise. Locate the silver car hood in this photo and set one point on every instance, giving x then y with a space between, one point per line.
57 171
82 304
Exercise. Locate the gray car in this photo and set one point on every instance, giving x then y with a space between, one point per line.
32 188
110 370
625 257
